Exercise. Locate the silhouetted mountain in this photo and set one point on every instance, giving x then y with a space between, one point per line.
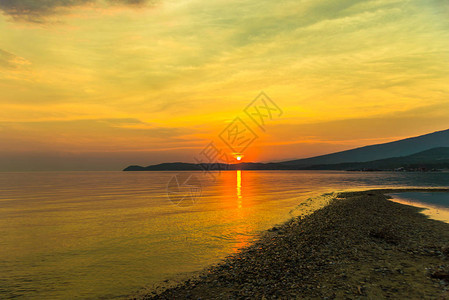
411 152
166 167
211 167
437 158
380 151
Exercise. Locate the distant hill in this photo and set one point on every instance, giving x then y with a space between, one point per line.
429 150
380 151
196 167
165 167
436 158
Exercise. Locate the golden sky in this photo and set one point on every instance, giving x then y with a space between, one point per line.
96 84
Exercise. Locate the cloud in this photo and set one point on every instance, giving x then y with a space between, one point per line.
10 61
38 11
92 126
335 67
6 58
392 126
114 134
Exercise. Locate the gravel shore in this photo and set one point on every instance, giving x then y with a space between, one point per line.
360 246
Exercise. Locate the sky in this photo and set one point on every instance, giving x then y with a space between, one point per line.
103 84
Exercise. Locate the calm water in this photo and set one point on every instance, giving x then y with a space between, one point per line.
435 204
109 234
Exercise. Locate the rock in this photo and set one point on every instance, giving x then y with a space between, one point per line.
445 251
440 275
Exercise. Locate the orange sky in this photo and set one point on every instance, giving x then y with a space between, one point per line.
99 84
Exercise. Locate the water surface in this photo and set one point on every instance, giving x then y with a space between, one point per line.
435 204
109 234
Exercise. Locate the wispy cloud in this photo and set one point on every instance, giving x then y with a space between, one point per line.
343 71
10 60
123 134
37 11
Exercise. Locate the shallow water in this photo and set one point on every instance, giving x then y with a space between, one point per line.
110 234
435 204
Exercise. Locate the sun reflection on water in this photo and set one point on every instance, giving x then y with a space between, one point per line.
239 189
242 228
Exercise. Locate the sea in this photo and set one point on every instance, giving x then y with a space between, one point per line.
105 235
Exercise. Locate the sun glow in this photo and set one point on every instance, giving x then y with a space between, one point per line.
112 95
238 156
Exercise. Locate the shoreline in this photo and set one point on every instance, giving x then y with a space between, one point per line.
360 245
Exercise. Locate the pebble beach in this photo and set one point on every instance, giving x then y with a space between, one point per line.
360 246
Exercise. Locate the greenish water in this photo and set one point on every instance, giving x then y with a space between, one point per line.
91 235
435 204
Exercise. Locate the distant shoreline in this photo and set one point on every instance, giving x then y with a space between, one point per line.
266 167
360 245
432 160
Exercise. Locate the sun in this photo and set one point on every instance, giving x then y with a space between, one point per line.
238 156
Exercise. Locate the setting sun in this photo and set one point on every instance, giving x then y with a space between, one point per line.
238 156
